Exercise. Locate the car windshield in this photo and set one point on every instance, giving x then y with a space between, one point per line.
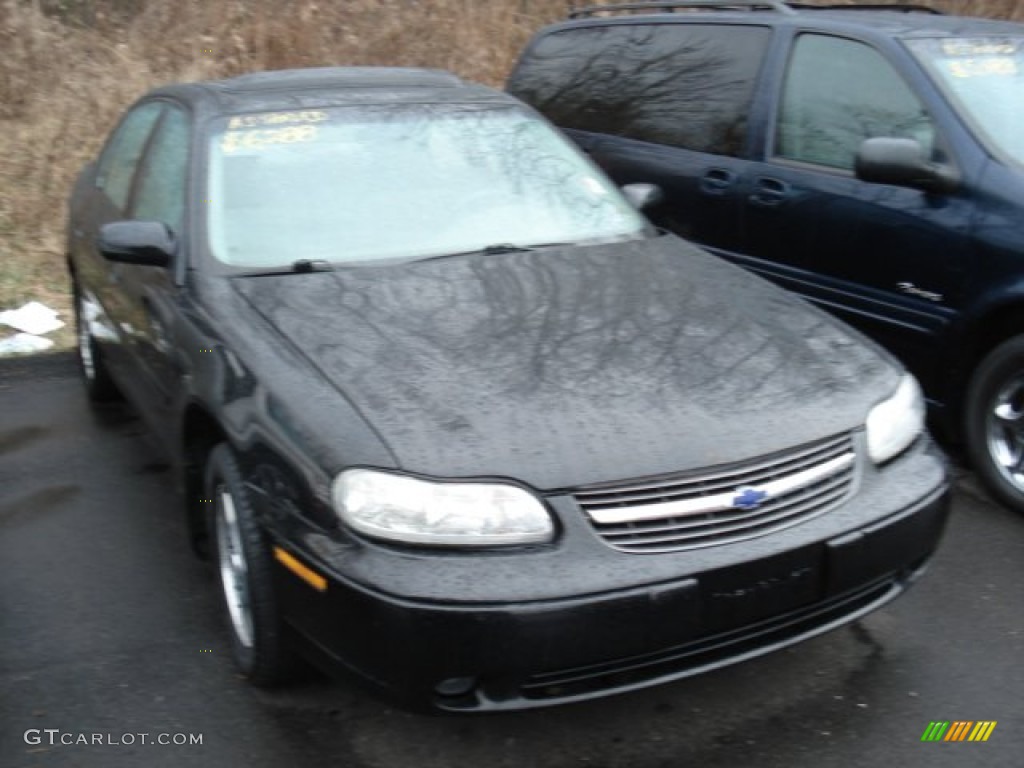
367 183
985 78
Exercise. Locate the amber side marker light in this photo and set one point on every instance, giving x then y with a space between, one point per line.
307 574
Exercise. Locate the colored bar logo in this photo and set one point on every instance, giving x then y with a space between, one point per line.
959 730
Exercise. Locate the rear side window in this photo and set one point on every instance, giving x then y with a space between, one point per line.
838 93
687 85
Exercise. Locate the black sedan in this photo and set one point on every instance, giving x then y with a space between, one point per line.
449 415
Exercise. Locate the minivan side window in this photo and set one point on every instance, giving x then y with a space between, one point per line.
117 166
160 189
688 86
838 93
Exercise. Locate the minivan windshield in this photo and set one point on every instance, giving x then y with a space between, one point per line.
367 183
984 76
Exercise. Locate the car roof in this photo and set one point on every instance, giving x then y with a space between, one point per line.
898 21
321 87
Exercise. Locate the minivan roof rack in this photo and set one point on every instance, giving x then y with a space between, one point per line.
750 5
899 7
670 7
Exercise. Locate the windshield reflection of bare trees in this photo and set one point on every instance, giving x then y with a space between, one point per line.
519 153
388 181
534 166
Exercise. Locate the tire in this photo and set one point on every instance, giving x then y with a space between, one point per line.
994 422
244 565
99 387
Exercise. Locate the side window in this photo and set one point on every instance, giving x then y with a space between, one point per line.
160 189
837 94
688 85
117 166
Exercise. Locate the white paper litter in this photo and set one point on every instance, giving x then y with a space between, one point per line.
23 343
33 318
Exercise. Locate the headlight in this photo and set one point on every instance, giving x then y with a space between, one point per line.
400 508
895 423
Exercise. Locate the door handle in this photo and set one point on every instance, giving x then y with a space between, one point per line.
717 181
770 192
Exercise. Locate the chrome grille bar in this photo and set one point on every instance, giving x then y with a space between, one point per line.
720 501
691 511
724 479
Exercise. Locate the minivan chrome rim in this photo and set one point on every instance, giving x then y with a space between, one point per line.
234 570
1006 432
85 343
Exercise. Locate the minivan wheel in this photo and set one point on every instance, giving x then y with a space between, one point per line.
99 387
245 572
994 426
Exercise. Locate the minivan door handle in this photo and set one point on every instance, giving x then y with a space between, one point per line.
717 181
769 192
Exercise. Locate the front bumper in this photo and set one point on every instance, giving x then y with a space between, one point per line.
479 655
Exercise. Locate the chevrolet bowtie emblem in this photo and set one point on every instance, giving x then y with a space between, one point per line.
748 498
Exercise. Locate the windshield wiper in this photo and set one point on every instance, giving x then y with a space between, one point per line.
488 250
500 248
299 266
312 265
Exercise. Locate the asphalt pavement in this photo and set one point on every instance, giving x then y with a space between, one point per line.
110 629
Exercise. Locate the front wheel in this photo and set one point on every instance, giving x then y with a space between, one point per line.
99 387
994 414
245 570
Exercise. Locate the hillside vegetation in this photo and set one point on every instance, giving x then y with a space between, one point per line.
69 68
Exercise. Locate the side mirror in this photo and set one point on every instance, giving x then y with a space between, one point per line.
902 162
147 243
642 196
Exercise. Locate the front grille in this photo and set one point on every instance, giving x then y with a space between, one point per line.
725 505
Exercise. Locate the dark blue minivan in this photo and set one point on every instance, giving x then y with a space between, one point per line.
870 159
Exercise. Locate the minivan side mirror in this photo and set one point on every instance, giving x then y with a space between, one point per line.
642 195
902 162
146 243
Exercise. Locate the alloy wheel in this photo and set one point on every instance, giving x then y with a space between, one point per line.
234 569
85 354
1005 431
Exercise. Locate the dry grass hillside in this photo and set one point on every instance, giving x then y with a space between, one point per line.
69 67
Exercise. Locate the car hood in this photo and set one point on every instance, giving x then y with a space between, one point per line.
568 366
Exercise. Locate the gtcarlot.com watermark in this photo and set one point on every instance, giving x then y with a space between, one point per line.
55 737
